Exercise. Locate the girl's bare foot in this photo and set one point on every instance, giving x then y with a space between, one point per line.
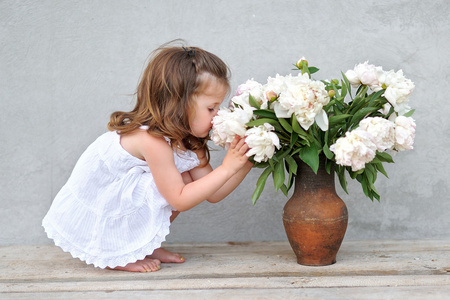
166 256
146 265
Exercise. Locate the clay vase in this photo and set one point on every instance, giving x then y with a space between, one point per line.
315 218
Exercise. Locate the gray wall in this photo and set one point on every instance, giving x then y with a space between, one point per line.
66 65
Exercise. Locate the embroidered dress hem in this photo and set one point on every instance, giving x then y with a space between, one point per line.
113 261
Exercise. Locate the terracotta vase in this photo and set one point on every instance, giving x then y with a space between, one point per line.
315 218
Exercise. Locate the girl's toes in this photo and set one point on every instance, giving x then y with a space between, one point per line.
157 268
154 265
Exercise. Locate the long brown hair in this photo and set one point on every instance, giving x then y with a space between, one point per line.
165 94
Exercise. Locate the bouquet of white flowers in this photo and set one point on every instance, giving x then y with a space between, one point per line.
295 117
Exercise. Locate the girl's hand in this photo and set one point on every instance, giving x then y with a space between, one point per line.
236 156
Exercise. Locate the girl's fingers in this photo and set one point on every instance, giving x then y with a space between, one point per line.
240 143
243 149
234 141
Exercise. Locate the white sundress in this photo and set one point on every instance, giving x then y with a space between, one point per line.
110 212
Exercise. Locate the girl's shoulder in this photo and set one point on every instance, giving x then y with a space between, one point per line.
139 142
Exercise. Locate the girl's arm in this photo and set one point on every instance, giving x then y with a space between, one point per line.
228 187
181 196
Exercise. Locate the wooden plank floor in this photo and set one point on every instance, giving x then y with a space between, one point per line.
378 269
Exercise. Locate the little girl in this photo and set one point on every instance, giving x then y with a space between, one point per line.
116 208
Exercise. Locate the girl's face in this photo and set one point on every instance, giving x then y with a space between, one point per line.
206 106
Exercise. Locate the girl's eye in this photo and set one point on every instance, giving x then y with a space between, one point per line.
211 109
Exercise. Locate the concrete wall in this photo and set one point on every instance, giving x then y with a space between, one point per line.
66 65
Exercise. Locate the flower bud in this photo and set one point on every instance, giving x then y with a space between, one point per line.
302 61
271 96
335 81
331 93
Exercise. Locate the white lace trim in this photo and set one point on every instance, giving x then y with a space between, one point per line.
111 262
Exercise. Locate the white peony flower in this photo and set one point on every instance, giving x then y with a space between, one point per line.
398 89
305 98
364 74
250 87
355 149
276 84
382 131
247 87
262 142
228 123
405 129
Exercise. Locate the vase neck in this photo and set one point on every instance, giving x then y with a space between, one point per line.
307 179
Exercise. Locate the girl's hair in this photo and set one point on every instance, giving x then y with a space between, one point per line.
165 95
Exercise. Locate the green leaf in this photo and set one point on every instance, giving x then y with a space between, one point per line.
291 181
272 163
284 189
375 96
279 155
362 90
260 184
259 122
278 175
310 155
384 157
371 174
292 164
362 113
252 101
334 130
409 113
338 107
364 184
261 165
291 170
285 125
346 84
338 118
327 152
266 113
325 138
343 91
357 104
328 164
296 127
381 169
294 138
376 195
341 175
313 70
330 104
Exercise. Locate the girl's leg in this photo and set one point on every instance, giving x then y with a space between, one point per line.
152 263
162 254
